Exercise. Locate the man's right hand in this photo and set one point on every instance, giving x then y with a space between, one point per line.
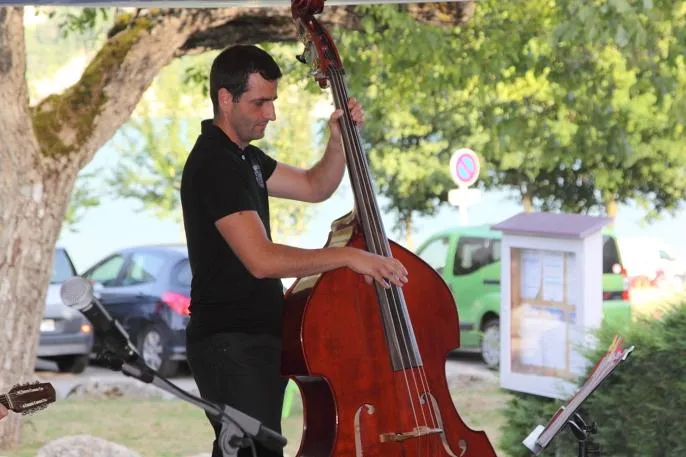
3 412
379 268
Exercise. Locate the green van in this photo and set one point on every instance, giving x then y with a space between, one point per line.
468 259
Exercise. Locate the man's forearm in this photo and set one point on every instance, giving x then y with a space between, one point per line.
326 174
281 261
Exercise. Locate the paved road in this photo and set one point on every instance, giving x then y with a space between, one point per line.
457 364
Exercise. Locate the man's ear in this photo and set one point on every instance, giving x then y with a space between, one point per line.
225 99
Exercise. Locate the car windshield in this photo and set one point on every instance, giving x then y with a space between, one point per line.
62 268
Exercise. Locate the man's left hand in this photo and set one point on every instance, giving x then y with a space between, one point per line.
356 113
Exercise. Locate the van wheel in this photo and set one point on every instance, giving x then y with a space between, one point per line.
490 344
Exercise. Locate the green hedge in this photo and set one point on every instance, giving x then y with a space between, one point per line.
640 409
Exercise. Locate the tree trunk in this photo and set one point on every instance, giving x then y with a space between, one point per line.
33 196
409 241
611 209
527 202
41 152
31 220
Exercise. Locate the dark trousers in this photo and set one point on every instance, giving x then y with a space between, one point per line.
244 372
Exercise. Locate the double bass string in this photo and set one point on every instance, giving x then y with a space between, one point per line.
379 242
372 239
384 248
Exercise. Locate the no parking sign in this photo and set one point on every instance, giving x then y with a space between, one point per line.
464 167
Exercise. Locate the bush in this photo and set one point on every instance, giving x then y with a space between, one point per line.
640 409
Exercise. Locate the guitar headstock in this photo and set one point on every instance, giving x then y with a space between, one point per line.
29 398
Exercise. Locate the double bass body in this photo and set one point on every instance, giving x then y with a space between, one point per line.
355 403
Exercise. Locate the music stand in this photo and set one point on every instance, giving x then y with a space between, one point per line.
569 414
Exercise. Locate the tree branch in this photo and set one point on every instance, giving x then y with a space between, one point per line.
83 117
139 45
256 25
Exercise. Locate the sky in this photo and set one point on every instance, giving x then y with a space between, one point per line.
117 224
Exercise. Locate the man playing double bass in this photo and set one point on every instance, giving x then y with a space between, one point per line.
234 333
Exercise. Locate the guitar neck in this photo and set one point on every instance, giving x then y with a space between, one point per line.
5 401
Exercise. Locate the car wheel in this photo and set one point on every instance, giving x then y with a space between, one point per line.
72 364
490 344
153 348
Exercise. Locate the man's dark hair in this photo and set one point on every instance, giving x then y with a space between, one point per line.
232 67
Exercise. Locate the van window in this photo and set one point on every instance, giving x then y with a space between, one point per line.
435 253
610 255
474 253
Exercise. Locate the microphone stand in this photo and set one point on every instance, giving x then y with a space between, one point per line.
238 429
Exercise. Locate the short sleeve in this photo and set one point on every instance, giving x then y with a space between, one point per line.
223 189
268 164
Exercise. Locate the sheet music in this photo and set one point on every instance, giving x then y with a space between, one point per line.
544 338
553 276
540 439
530 274
572 282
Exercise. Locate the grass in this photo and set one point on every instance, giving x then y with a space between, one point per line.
171 428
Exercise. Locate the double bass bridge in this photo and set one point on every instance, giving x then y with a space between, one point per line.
417 432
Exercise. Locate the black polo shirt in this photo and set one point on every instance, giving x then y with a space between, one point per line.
220 179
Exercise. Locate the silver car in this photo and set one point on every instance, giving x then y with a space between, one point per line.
66 336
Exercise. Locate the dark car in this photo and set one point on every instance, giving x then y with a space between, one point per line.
147 289
66 336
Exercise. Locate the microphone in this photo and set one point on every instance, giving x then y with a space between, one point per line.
77 292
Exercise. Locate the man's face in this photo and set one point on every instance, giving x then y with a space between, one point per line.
253 111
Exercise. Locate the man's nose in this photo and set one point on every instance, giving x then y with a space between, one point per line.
270 112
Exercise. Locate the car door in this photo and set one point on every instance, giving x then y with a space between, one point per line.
136 287
142 272
108 272
466 280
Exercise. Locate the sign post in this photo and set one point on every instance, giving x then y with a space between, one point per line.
464 169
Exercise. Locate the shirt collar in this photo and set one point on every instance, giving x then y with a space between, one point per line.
210 130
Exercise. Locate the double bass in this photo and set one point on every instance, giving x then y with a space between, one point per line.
370 361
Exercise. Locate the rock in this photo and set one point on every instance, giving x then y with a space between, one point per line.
100 389
84 446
